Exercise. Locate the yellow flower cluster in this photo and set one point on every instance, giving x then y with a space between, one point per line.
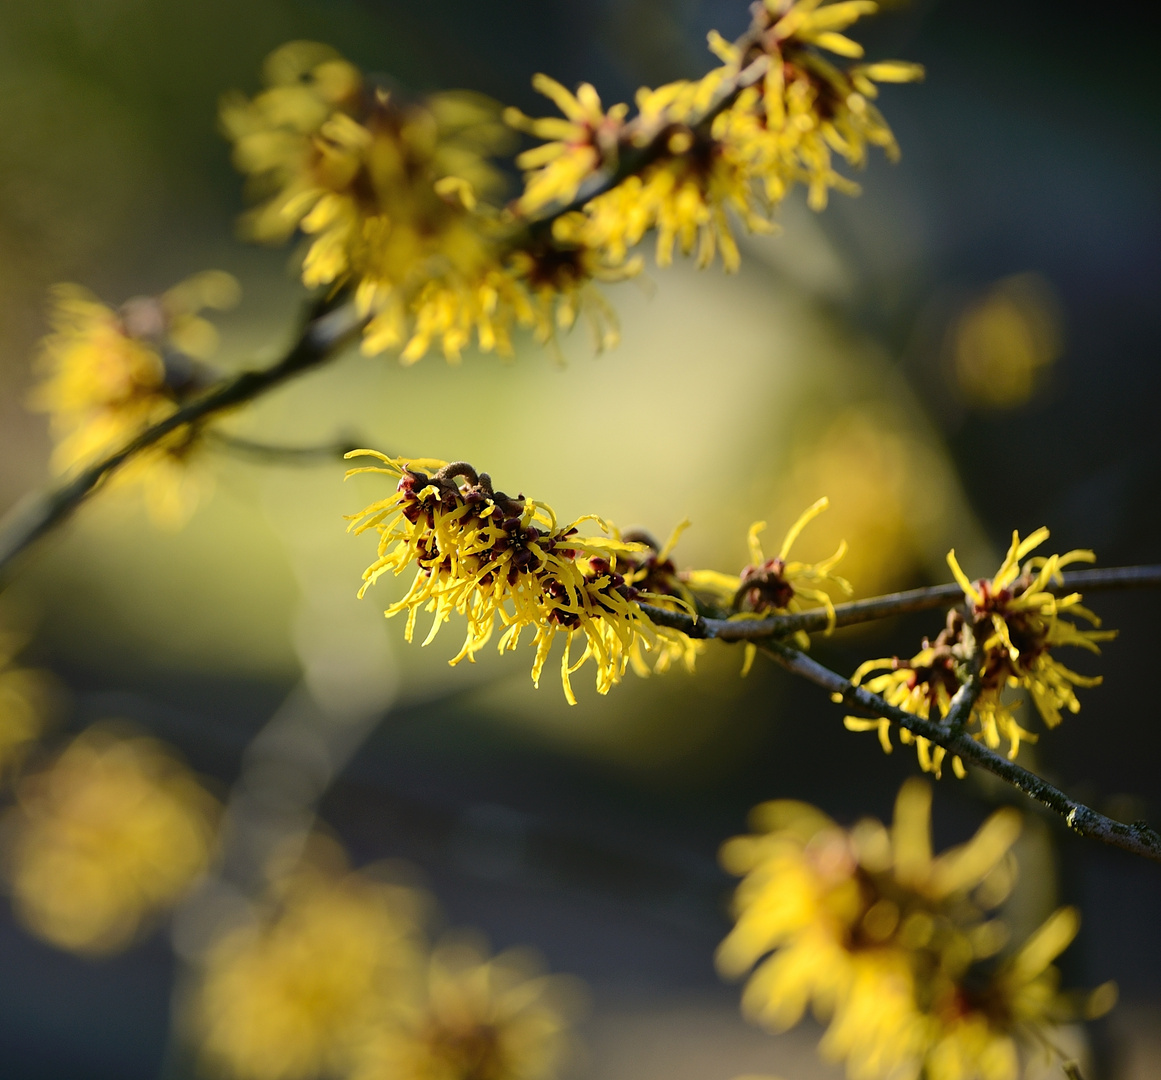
23 704
1013 625
108 374
897 949
390 194
774 586
105 839
397 198
496 559
333 977
771 116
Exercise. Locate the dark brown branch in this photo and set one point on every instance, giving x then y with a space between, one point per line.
1137 838
883 607
331 325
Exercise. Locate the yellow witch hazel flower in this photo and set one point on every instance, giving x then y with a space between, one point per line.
895 948
1019 623
104 840
463 1016
583 141
809 109
386 190
289 993
556 277
494 559
779 585
1014 623
923 685
108 374
686 194
715 149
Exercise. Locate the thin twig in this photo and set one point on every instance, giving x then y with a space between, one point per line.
268 454
883 607
330 326
1137 838
959 710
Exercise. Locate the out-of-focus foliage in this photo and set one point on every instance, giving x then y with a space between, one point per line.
899 950
104 839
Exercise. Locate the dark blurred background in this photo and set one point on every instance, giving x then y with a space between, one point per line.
845 360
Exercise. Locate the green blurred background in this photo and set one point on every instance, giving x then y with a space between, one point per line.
1019 233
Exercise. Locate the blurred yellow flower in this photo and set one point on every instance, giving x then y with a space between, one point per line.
467 1017
585 140
492 558
23 705
395 197
107 375
810 109
896 948
105 839
289 994
386 191
1002 343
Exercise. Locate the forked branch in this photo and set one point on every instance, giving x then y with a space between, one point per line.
1137 838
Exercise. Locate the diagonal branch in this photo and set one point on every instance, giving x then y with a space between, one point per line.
329 327
1137 838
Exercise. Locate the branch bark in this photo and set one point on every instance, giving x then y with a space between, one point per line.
883 607
1137 838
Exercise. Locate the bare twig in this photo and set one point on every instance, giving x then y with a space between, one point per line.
1137 838
268 454
883 607
330 326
